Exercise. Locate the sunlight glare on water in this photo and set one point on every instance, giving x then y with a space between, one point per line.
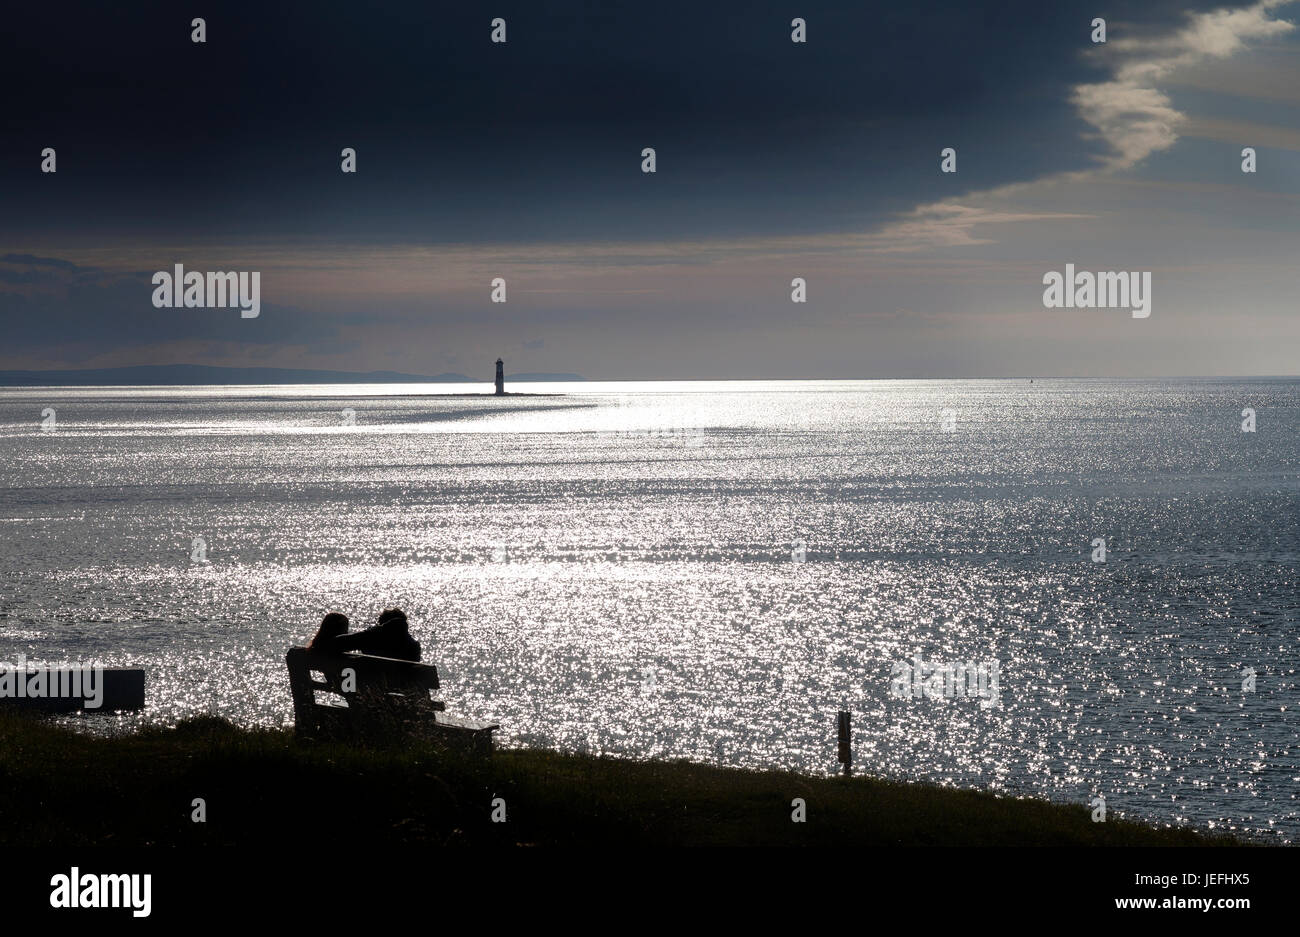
613 567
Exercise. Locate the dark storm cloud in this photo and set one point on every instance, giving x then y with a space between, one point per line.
79 312
462 140
526 157
33 261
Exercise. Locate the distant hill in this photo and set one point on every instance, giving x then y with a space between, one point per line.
205 374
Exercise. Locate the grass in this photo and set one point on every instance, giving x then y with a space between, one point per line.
64 788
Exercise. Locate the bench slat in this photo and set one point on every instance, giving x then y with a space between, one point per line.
390 690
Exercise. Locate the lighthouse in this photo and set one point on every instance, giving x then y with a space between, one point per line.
501 378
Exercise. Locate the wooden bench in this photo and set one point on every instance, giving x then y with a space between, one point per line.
63 690
358 696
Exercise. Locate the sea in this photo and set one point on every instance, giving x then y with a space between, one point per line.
709 571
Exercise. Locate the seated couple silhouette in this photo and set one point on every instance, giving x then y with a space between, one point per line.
390 638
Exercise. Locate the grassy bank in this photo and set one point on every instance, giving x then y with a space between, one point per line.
264 787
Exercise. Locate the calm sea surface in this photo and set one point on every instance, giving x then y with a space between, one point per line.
617 569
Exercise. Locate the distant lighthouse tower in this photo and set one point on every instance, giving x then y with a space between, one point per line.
501 378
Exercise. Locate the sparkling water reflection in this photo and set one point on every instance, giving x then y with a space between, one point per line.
614 569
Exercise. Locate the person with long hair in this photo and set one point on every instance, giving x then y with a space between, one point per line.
334 625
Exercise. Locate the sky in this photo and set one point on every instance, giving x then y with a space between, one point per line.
774 160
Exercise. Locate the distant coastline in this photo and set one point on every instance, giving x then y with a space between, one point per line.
197 374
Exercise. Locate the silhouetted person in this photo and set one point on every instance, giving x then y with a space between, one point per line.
389 638
333 625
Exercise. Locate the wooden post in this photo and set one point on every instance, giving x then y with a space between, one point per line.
846 743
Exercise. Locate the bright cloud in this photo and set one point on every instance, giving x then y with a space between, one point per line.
1133 116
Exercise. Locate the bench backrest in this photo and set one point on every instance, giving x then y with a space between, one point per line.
366 686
